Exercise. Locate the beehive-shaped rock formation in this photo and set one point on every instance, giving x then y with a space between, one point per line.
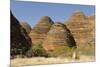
20 41
77 20
58 36
40 30
81 27
26 26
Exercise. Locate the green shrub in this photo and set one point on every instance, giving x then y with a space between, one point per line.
39 50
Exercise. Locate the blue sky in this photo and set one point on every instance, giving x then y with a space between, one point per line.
31 12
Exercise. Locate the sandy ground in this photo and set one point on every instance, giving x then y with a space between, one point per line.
41 60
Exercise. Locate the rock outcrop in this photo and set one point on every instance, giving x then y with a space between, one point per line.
39 32
58 36
82 27
26 26
20 41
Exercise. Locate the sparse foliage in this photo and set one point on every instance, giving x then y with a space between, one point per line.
39 50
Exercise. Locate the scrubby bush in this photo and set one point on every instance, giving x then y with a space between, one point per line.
39 50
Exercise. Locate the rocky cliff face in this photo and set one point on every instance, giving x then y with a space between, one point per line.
26 26
82 27
39 32
58 36
20 41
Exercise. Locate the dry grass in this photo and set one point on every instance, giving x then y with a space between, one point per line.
41 60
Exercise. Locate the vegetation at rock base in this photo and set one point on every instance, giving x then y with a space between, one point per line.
38 50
